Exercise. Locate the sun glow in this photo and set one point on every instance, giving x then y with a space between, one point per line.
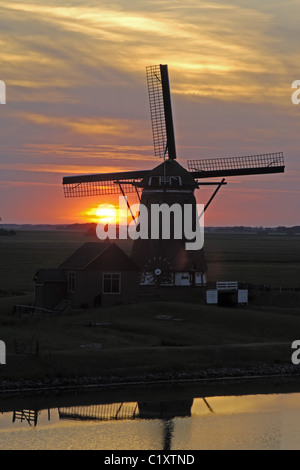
106 214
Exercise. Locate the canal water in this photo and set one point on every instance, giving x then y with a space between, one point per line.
255 421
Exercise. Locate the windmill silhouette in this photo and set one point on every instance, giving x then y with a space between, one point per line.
167 262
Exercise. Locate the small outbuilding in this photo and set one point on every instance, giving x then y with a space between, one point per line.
97 274
50 288
227 294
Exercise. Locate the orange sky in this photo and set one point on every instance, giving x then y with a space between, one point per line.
77 100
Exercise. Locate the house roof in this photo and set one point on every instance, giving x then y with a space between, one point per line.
99 255
84 255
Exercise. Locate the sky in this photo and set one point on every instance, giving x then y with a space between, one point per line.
77 100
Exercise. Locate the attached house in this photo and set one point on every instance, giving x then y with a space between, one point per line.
97 274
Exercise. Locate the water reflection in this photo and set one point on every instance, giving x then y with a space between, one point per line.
165 411
270 421
30 416
101 412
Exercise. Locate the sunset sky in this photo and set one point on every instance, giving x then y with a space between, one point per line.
77 100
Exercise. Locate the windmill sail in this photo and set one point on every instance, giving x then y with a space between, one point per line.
234 166
102 184
161 111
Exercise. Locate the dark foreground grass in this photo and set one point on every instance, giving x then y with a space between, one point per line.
135 342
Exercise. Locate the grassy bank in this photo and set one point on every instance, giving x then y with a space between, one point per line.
133 341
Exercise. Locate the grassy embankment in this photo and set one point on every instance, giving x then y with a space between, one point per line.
137 342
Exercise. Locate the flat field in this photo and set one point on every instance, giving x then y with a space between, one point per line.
136 342
271 260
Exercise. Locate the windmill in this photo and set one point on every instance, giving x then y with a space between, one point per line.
161 261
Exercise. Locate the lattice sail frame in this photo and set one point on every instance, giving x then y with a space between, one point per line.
161 111
157 110
102 184
99 188
233 166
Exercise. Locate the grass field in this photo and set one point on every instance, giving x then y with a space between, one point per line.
136 341
272 260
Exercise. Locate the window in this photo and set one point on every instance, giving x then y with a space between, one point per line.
111 283
71 281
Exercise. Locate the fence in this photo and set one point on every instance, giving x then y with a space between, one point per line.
29 310
27 347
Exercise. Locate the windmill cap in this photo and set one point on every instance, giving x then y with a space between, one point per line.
169 174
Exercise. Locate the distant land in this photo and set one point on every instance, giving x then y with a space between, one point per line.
91 227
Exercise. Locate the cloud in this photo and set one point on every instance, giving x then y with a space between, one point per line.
98 126
222 49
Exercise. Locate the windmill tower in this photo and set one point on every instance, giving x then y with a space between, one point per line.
167 261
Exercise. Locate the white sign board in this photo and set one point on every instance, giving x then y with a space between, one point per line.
212 296
242 296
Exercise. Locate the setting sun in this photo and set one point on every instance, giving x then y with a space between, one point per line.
106 213
103 213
